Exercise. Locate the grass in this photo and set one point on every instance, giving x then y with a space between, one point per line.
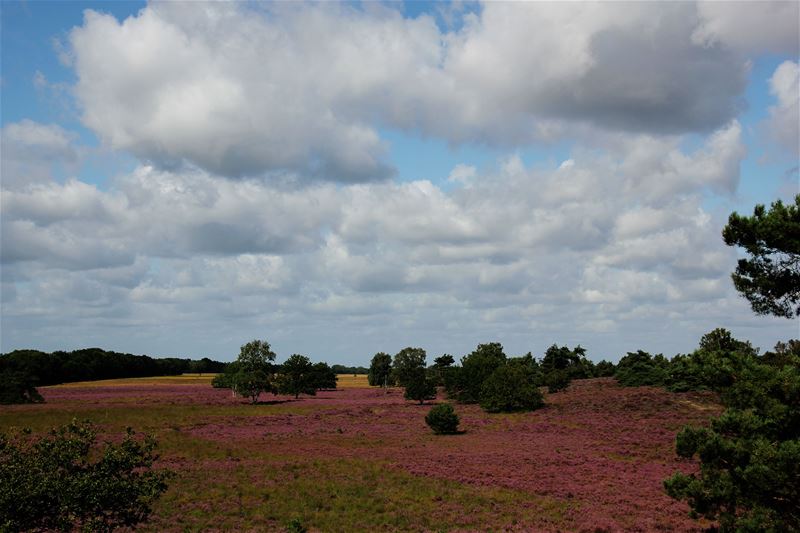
362 459
352 381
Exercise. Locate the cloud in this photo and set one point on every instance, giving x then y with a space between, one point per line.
31 150
784 116
751 28
244 90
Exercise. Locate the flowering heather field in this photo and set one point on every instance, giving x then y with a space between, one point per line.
360 459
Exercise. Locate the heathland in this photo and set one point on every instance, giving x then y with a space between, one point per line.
361 458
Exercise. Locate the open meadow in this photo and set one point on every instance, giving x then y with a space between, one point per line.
361 458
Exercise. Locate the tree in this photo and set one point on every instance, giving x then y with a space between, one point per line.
60 481
441 366
573 362
465 383
254 371
770 277
406 365
323 376
380 369
297 376
442 419
639 368
419 387
256 355
509 389
18 387
408 370
252 384
750 455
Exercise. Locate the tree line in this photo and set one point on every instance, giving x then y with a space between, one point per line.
486 376
23 370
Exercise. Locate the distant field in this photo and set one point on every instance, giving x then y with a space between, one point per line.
362 459
344 381
351 381
183 379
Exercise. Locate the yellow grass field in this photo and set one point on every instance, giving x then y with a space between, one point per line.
344 381
350 381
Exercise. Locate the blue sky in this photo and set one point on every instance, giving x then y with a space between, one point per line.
431 174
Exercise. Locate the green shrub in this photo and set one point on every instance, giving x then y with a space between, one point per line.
509 389
18 387
60 482
442 419
556 380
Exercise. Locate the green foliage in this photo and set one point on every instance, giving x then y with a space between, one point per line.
94 364
227 379
556 380
295 525
509 389
604 369
465 383
61 482
380 369
770 277
419 387
406 365
18 387
323 376
252 384
256 355
560 365
441 366
750 455
297 376
409 371
639 368
442 419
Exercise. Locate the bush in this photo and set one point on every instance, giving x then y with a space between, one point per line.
51 483
639 368
18 387
442 419
556 380
509 389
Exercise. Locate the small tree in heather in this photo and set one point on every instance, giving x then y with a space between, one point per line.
253 369
406 365
61 481
297 376
380 369
442 419
252 384
419 387
409 372
509 389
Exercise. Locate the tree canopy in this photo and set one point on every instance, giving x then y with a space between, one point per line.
380 369
297 376
770 276
60 481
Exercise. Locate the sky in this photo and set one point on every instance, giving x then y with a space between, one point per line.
339 179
